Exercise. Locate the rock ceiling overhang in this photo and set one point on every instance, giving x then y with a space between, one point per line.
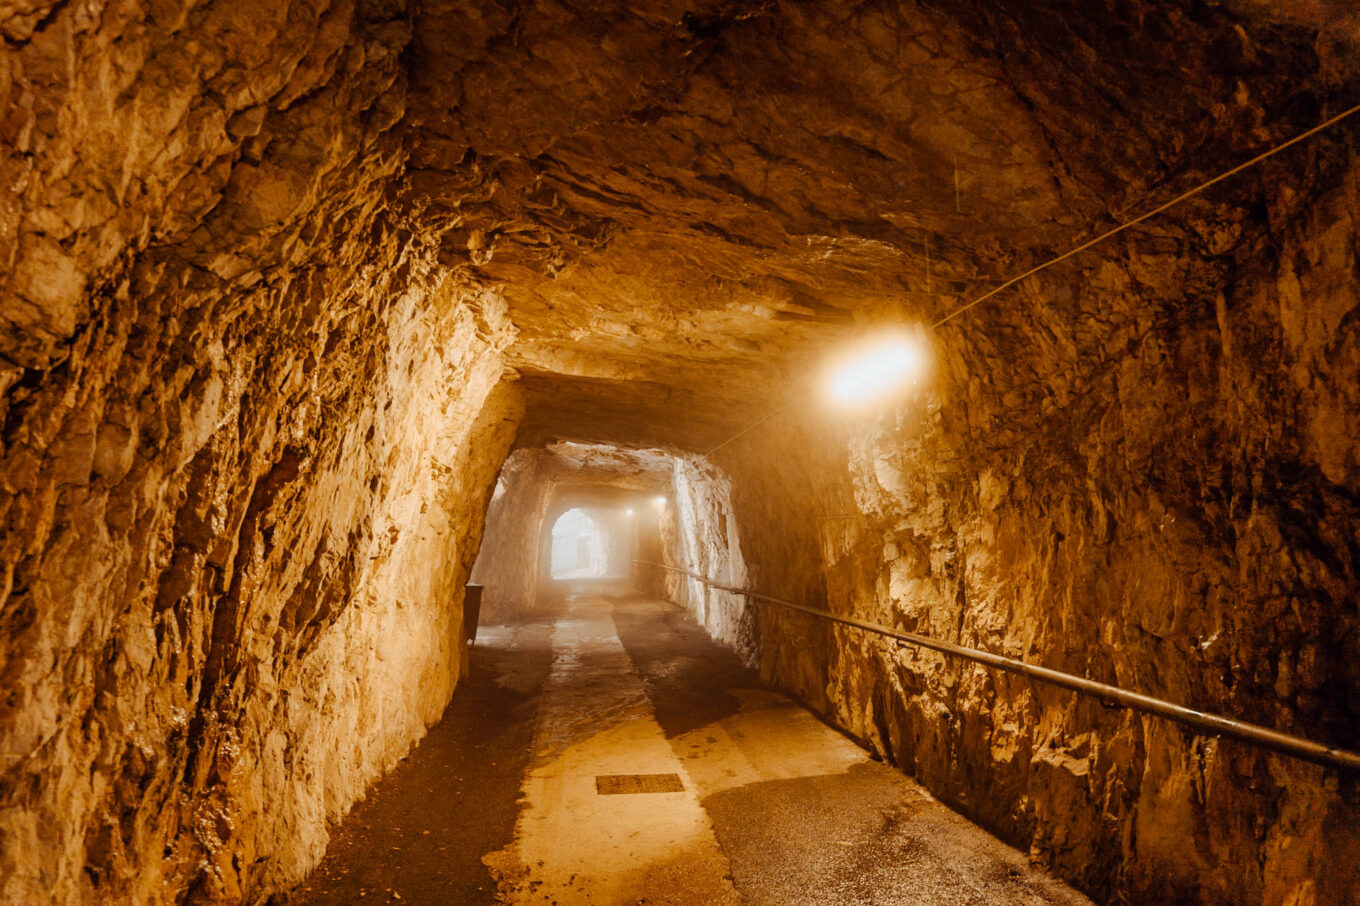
684 203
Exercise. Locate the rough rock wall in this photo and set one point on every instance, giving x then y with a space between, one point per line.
699 534
1142 469
507 563
789 487
248 435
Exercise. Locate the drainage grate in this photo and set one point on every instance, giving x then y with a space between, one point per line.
616 784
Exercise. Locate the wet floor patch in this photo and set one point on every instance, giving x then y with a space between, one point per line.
870 838
421 831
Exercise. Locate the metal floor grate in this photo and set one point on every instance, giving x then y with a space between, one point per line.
618 784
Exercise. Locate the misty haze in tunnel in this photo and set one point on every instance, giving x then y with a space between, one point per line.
313 312
579 545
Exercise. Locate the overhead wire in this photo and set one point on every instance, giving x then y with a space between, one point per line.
1114 231
751 427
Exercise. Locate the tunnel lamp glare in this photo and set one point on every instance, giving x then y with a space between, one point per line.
628 512
875 371
660 501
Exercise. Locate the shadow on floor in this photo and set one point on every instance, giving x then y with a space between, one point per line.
422 830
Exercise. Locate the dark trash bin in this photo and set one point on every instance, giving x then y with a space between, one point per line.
472 609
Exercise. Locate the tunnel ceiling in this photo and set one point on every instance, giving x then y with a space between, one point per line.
585 464
684 202
591 471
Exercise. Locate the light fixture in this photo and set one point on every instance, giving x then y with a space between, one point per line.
877 368
660 501
628 512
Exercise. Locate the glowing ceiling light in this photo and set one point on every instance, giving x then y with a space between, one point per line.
628 512
876 369
660 501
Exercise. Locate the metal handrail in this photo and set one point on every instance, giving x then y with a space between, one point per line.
1266 738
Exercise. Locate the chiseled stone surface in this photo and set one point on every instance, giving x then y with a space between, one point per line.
281 283
1147 490
249 429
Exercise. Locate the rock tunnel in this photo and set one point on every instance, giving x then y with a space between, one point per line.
314 311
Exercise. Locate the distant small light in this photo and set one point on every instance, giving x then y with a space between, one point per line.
628 512
660 501
874 370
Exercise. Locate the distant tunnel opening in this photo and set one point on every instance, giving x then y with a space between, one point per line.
572 517
580 545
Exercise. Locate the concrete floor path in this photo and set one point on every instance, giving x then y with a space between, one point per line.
619 756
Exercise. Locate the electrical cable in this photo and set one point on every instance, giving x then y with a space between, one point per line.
751 427
1326 124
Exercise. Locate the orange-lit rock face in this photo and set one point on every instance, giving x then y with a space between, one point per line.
249 429
281 283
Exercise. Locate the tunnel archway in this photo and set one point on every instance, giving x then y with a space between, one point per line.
580 543
658 506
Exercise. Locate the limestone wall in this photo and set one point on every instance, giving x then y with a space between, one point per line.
699 534
249 432
507 566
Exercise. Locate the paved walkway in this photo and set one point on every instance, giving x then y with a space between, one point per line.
618 756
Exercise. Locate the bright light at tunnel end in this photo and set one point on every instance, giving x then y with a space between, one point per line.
876 369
